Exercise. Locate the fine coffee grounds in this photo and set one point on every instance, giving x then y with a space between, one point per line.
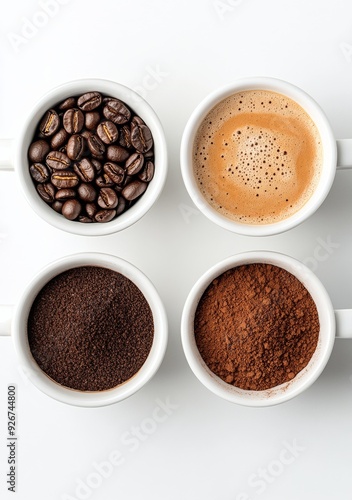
90 328
256 326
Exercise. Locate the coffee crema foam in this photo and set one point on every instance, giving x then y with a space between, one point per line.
257 157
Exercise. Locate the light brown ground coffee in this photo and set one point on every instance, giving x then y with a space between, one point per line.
256 326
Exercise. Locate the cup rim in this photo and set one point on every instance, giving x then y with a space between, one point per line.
315 112
285 391
141 107
43 382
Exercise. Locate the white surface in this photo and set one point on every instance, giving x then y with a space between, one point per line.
175 53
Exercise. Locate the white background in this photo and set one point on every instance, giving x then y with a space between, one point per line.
175 53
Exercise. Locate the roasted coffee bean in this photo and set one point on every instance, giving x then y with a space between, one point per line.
117 112
141 136
57 160
39 172
86 134
134 163
125 137
117 153
86 192
46 192
75 147
97 165
118 188
67 104
92 119
65 194
96 145
64 179
57 206
121 206
38 150
105 215
85 170
149 154
128 179
107 198
148 172
84 219
71 209
91 209
59 139
115 172
138 120
89 101
73 120
134 189
50 123
104 181
107 131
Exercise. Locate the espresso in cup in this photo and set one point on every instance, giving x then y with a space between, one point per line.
257 157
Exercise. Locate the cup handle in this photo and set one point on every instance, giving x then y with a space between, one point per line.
344 153
343 323
6 315
6 154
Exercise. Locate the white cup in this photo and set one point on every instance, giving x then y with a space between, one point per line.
334 153
14 155
338 322
13 321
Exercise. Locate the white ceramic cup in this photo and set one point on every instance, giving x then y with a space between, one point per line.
332 323
334 153
13 321
13 154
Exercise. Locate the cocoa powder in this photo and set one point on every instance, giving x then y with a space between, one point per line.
256 326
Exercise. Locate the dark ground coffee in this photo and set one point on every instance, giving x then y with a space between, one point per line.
90 328
256 326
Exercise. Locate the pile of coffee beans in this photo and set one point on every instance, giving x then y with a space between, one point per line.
91 157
